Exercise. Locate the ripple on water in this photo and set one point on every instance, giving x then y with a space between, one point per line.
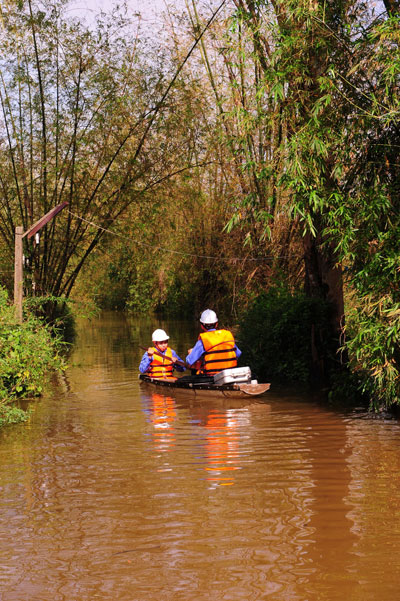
114 493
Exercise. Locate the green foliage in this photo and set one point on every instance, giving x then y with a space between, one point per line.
27 352
303 138
142 294
12 415
334 71
83 121
374 349
56 311
181 297
276 332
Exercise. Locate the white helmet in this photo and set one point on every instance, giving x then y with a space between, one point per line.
159 336
208 317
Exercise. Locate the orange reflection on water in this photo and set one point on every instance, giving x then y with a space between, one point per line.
162 416
221 448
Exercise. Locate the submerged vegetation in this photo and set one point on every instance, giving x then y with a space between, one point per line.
250 145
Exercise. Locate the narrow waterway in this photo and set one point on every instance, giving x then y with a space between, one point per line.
112 492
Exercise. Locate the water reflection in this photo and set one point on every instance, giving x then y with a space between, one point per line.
111 492
215 431
160 411
221 447
332 539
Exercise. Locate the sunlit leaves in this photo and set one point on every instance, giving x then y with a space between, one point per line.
334 73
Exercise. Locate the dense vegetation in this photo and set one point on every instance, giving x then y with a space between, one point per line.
251 145
275 335
27 354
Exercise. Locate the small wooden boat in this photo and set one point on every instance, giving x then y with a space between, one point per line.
205 386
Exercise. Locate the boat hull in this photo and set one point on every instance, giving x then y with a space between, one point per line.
204 387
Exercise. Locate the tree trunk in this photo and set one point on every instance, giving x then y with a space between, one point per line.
323 280
392 7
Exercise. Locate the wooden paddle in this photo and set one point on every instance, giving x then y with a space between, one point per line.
183 363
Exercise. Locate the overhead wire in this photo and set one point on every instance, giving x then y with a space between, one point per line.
171 251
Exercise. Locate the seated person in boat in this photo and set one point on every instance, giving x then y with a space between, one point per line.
159 361
215 349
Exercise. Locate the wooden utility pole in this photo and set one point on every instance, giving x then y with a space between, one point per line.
18 273
18 264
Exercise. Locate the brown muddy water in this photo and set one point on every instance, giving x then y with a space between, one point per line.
113 493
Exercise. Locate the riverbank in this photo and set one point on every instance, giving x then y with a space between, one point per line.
28 353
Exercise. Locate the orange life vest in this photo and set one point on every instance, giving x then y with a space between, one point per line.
162 367
219 346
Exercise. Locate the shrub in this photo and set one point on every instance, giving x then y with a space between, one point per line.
55 311
373 331
275 335
27 352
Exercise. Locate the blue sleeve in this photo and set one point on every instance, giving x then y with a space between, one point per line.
196 354
145 363
198 351
176 366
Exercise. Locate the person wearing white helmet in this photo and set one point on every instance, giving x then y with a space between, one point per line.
159 361
215 348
